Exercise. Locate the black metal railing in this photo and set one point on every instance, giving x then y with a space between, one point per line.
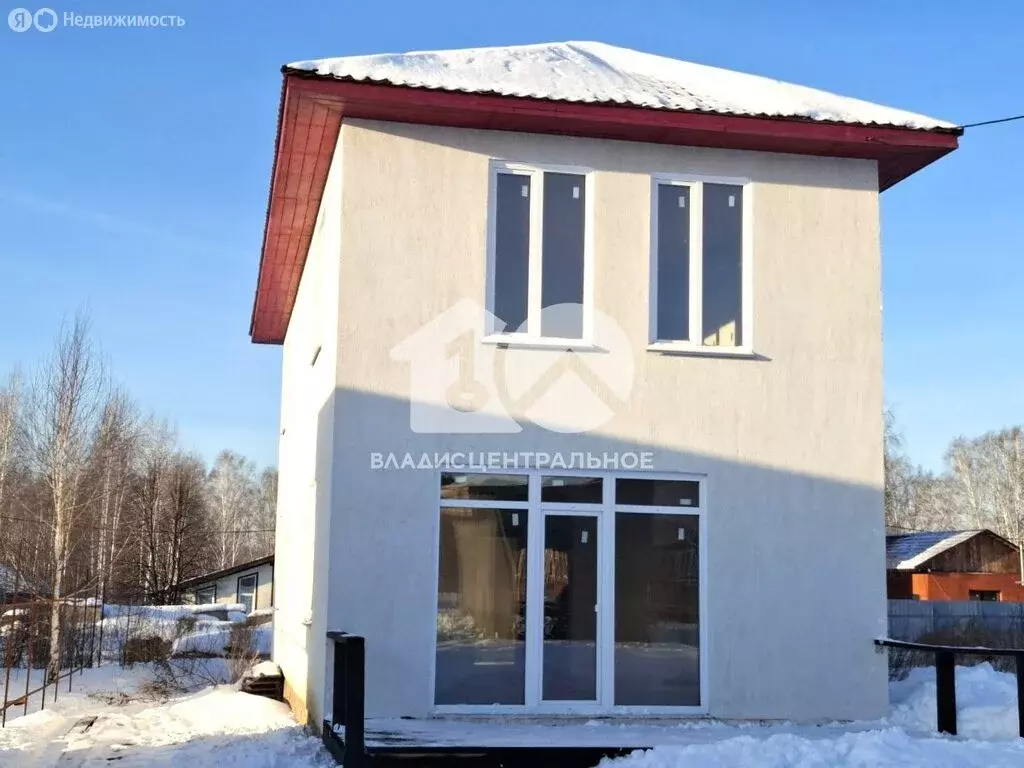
343 733
945 677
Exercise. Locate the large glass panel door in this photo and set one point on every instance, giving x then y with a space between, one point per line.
569 655
481 600
570 594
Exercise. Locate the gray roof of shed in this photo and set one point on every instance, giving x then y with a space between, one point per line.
907 551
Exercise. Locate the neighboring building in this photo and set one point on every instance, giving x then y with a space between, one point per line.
15 586
656 282
250 584
953 565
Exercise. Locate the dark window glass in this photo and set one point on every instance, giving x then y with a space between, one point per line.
984 595
481 607
673 322
576 490
722 298
657 610
657 493
247 592
570 595
206 595
482 487
512 250
562 255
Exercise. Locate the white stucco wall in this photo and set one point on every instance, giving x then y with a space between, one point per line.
790 442
306 465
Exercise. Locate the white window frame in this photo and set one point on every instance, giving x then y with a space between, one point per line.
206 588
694 345
532 337
255 588
606 511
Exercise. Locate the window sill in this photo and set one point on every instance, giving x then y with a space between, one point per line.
522 341
695 350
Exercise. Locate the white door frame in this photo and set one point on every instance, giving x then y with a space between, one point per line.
604 513
535 589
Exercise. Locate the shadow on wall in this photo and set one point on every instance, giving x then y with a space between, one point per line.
633 156
795 564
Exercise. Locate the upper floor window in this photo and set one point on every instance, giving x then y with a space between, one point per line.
538 277
700 266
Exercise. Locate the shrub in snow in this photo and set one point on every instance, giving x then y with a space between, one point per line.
142 650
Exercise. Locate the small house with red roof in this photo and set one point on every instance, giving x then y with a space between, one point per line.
581 405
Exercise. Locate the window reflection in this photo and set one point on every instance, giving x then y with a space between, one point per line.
481 602
657 628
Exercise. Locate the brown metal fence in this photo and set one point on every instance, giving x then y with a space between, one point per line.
27 647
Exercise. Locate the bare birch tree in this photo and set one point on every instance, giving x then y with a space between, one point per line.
10 402
233 501
65 403
116 445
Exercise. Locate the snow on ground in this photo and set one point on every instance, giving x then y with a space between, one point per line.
986 702
889 748
600 73
220 726
265 669
134 726
986 720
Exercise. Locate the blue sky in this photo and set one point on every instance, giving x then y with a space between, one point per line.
134 166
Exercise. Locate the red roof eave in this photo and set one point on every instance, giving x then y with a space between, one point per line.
312 108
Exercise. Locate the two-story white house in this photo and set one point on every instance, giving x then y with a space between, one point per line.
582 389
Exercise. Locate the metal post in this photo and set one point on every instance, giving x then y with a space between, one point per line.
945 691
1020 693
42 703
338 699
11 637
355 694
28 671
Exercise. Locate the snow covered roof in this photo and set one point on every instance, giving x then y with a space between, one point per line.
907 551
591 72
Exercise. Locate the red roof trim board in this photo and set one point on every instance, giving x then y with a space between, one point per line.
313 107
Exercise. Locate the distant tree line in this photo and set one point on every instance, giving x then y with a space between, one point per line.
981 486
98 499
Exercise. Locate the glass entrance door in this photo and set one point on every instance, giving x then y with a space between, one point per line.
569 653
